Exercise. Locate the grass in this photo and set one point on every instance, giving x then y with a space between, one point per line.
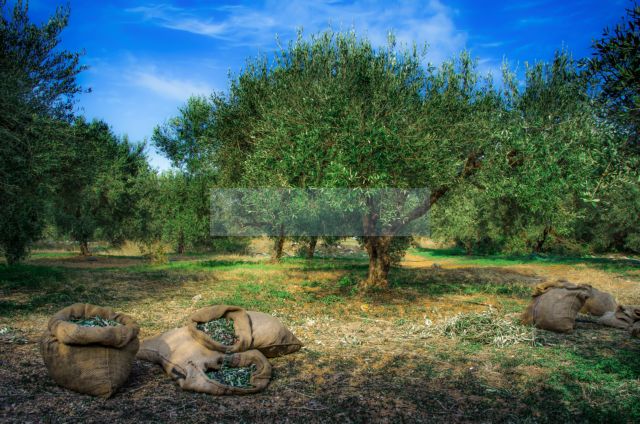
486 327
366 356
625 265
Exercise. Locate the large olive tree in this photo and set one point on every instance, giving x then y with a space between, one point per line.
334 111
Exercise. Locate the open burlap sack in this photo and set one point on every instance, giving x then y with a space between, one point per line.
254 330
241 326
599 303
623 317
555 305
91 360
186 360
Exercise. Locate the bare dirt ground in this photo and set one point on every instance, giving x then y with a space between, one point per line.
367 358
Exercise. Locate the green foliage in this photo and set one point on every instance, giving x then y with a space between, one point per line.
184 139
555 153
37 76
98 188
616 65
614 223
335 112
38 83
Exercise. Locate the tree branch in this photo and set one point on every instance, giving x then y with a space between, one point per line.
472 164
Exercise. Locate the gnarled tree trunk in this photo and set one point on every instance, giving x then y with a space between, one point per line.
84 248
542 240
379 262
311 248
180 245
278 246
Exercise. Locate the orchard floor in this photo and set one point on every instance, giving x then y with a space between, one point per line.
367 358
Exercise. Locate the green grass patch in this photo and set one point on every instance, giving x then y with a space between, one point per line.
52 255
458 255
29 277
582 382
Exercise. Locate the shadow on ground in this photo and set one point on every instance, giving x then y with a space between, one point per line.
314 387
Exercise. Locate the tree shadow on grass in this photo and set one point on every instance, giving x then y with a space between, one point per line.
595 372
228 263
28 289
407 284
325 387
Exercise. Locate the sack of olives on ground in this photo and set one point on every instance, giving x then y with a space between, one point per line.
90 349
599 303
623 317
197 368
555 305
232 329
221 328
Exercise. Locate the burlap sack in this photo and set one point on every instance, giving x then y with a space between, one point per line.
271 337
555 305
632 311
186 361
599 303
241 325
623 317
254 330
91 360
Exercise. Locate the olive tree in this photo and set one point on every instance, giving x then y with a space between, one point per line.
38 84
333 111
556 156
97 192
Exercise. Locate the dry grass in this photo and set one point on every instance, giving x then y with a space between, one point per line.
486 327
367 358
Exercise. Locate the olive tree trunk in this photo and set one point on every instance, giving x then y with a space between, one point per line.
181 243
278 246
84 248
379 262
311 248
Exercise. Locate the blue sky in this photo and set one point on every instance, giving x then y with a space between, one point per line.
147 57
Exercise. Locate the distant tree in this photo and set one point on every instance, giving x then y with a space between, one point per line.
559 151
612 224
182 206
38 85
96 194
185 138
182 209
616 65
183 194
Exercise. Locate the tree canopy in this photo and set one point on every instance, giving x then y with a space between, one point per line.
38 85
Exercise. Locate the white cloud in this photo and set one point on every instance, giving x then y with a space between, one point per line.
257 26
171 88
